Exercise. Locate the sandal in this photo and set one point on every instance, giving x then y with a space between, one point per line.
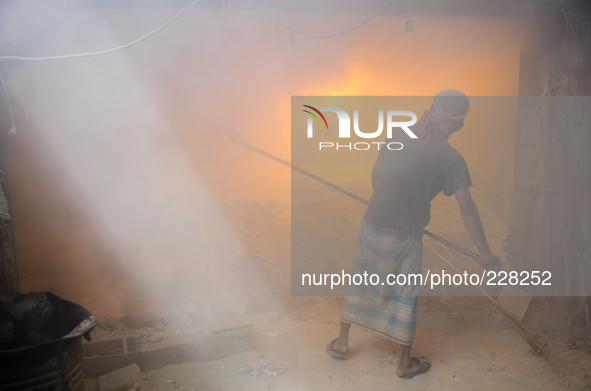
334 353
423 362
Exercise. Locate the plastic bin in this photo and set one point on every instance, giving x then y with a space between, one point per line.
40 342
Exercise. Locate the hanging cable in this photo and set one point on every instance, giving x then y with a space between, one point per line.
276 14
12 131
68 56
292 39
563 44
227 18
276 19
318 36
408 25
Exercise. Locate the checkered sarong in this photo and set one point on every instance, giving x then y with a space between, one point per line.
389 310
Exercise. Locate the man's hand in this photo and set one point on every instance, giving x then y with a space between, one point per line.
489 261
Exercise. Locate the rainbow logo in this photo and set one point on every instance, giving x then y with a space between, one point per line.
315 116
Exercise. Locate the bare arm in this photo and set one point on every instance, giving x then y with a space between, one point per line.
473 225
375 172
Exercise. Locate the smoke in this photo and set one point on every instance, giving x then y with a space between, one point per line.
121 171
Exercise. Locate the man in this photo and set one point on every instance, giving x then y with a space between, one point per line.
389 238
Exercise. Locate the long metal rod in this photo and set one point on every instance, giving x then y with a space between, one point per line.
515 319
521 328
355 197
516 323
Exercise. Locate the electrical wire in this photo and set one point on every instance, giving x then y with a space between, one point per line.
12 131
293 30
408 25
276 19
563 44
569 26
68 56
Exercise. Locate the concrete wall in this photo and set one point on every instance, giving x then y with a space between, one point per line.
550 115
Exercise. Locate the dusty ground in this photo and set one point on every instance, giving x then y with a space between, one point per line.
466 354
470 345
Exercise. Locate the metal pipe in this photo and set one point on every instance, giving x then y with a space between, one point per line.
516 323
355 197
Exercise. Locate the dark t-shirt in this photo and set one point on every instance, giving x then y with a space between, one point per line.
410 178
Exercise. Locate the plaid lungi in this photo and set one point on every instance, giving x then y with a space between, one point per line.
389 310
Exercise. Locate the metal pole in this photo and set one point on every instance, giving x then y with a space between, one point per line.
349 194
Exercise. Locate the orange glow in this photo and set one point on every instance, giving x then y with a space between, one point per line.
358 81
200 92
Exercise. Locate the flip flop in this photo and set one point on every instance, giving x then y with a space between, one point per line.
423 362
334 353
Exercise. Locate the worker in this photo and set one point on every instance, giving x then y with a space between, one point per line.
389 238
